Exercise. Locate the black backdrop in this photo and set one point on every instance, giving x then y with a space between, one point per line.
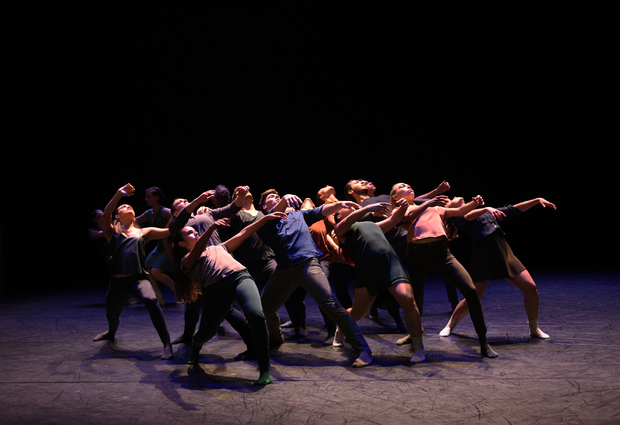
511 108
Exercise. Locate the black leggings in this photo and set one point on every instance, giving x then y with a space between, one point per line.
139 287
436 256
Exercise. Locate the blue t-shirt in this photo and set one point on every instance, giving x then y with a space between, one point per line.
290 239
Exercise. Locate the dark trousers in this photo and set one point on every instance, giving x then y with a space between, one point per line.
436 256
240 288
236 319
139 287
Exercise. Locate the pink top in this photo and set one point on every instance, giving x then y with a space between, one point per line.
215 263
428 225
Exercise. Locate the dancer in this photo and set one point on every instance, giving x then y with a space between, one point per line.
184 216
296 256
377 267
126 241
492 258
158 262
341 269
428 250
363 192
222 280
257 257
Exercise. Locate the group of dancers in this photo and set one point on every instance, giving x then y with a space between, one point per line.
289 247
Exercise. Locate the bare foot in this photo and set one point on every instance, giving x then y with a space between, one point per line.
167 354
365 359
404 340
104 337
338 338
487 351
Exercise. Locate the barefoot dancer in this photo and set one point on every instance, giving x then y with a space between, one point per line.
377 267
492 258
126 242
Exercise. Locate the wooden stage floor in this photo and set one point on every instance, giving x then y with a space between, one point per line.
51 372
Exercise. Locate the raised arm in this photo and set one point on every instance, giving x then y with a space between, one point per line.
190 260
414 211
396 217
106 225
204 197
287 201
443 187
466 208
331 209
236 241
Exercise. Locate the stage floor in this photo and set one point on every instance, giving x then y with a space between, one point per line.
51 372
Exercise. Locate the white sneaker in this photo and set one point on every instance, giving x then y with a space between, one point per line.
445 331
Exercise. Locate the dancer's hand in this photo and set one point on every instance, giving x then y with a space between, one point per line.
221 223
292 201
439 201
478 200
381 209
206 196
127 190
497 214
546 203
276 216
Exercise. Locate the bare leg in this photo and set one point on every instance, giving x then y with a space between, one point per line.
403 293
162 277
155 285
524 282
362 301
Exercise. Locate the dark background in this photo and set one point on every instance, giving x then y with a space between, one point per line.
508 104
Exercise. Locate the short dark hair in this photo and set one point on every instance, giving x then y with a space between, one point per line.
157 192
264 195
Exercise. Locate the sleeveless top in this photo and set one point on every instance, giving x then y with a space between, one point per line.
127 254
377 265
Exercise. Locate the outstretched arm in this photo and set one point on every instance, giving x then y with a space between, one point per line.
497 214
154 233
343 227
106 225
236 241
524 206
